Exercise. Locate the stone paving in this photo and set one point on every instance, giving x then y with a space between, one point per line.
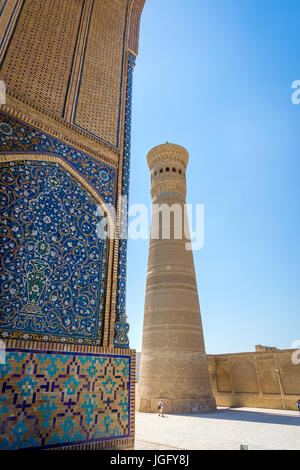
227 428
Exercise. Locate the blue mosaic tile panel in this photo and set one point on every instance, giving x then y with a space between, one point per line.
53 262
19 137
51 399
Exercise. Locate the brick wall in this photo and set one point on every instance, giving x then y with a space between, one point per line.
256 379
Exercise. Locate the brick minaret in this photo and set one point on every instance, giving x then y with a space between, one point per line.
173 364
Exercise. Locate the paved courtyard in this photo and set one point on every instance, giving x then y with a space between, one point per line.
227 429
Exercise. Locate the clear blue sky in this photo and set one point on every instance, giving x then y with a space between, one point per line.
215 76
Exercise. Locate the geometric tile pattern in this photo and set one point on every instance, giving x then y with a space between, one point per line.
50 398
52 260
121 325
19 137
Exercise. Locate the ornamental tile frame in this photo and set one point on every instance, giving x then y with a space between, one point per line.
121 325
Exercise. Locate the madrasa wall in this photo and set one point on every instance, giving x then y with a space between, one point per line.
261 379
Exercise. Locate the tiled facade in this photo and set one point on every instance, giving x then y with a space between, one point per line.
64 164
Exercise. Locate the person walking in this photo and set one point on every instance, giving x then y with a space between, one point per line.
161 408
298 402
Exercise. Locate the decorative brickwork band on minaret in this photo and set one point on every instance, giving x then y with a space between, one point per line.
173 363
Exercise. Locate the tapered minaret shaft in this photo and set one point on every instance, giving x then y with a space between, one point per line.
173 363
